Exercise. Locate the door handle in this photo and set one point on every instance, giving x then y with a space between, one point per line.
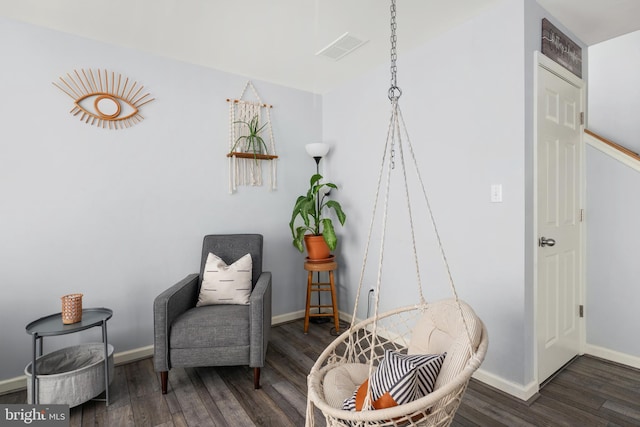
543 241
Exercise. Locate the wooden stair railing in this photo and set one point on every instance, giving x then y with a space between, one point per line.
626 156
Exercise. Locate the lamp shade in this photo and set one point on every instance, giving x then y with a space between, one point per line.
317 149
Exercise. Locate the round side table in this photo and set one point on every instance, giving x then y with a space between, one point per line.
52 326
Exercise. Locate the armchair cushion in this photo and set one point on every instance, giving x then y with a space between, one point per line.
212 326
225 284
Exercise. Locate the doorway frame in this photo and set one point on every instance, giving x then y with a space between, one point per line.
541 60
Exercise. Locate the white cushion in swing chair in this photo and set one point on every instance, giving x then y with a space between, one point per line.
340 382
441 329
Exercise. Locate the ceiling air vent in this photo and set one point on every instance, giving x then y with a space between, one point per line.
343 45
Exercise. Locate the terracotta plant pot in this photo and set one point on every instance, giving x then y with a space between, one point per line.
317 248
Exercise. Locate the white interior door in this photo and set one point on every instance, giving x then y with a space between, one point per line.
559 260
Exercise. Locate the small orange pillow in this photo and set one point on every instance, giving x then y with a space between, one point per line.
385 401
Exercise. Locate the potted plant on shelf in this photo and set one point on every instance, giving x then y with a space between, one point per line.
317 228
253 141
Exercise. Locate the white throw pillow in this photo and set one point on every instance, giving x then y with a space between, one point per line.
225 284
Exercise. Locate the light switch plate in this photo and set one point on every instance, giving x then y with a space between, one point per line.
496 193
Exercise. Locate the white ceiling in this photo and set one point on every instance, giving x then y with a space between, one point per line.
276 40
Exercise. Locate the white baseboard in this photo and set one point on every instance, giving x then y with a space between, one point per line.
287 317
612 355
522 392
528 391
133 355
13 384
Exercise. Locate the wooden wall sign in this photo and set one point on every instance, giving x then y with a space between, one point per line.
104 99
561 48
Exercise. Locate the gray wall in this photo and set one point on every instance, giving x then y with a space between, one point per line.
119 215
614 89
613 206
613 229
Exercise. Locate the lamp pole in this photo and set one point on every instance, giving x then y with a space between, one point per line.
318 150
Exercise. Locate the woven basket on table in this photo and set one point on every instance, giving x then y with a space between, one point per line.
71 308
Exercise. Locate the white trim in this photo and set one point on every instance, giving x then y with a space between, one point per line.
346 317
287 317
133 355
614 356
557 69
516 390
295 315
610 151
13 384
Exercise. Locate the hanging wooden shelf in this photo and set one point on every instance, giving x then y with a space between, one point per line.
247 145
242 155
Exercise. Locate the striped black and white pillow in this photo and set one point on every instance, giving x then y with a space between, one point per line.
399 379
225 284
427 369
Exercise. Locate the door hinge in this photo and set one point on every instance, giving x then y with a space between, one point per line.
582 118
581 215
581 310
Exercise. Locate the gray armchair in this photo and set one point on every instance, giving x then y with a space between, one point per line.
214 335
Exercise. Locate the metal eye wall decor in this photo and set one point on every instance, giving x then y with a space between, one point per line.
104 99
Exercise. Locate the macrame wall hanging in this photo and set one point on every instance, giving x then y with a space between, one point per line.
250 141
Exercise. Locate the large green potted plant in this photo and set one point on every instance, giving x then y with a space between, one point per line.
315 225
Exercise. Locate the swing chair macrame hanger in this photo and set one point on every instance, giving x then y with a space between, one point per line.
361 345
396 131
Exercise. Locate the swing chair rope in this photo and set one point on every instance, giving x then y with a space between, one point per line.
370 232
374 332
443 254
396 128
395 135
398 114
390 132
397 327
351 342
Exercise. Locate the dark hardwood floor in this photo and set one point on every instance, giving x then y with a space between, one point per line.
588 392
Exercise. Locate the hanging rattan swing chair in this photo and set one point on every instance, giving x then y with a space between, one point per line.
434 347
